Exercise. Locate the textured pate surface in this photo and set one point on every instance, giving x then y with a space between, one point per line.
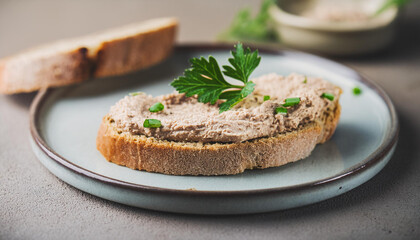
186 119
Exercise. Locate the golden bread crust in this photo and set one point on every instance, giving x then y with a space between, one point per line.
188 158
116 57
22 74
71 61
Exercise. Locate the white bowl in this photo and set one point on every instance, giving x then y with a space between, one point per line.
334 37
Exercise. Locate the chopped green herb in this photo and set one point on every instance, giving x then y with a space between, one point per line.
281 110
157 107
206 80
266 97
152 123
328 96
357 91
134 93
291 101
306 80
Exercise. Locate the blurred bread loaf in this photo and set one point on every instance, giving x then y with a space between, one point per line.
112 52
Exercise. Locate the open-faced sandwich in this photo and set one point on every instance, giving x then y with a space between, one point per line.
215 127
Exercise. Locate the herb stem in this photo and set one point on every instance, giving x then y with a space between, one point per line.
236 86
291 101
328 96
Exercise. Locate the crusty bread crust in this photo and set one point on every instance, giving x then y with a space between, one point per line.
188 158
135 52
111 52
24 73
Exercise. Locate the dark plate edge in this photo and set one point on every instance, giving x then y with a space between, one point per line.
382 151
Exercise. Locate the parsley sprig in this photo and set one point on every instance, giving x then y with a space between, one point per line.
390 3
247 28
205 79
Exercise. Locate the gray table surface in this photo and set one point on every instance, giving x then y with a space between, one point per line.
34 204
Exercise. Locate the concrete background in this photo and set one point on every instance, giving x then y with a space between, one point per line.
34 204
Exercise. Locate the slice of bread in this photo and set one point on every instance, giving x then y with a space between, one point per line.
194 158
108 53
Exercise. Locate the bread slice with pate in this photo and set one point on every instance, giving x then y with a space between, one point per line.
112 52
195 139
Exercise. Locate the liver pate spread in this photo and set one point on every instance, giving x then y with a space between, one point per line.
186 119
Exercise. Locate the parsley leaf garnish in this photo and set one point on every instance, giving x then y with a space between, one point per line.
205 79
244 63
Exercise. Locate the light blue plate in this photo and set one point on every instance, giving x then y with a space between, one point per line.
65 121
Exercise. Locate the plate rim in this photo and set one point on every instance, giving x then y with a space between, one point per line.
372 160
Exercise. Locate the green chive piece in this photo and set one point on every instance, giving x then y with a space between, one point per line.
357 91
281 110
134 93
291 102
152 123
328 96
157 107
266 97
306 80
